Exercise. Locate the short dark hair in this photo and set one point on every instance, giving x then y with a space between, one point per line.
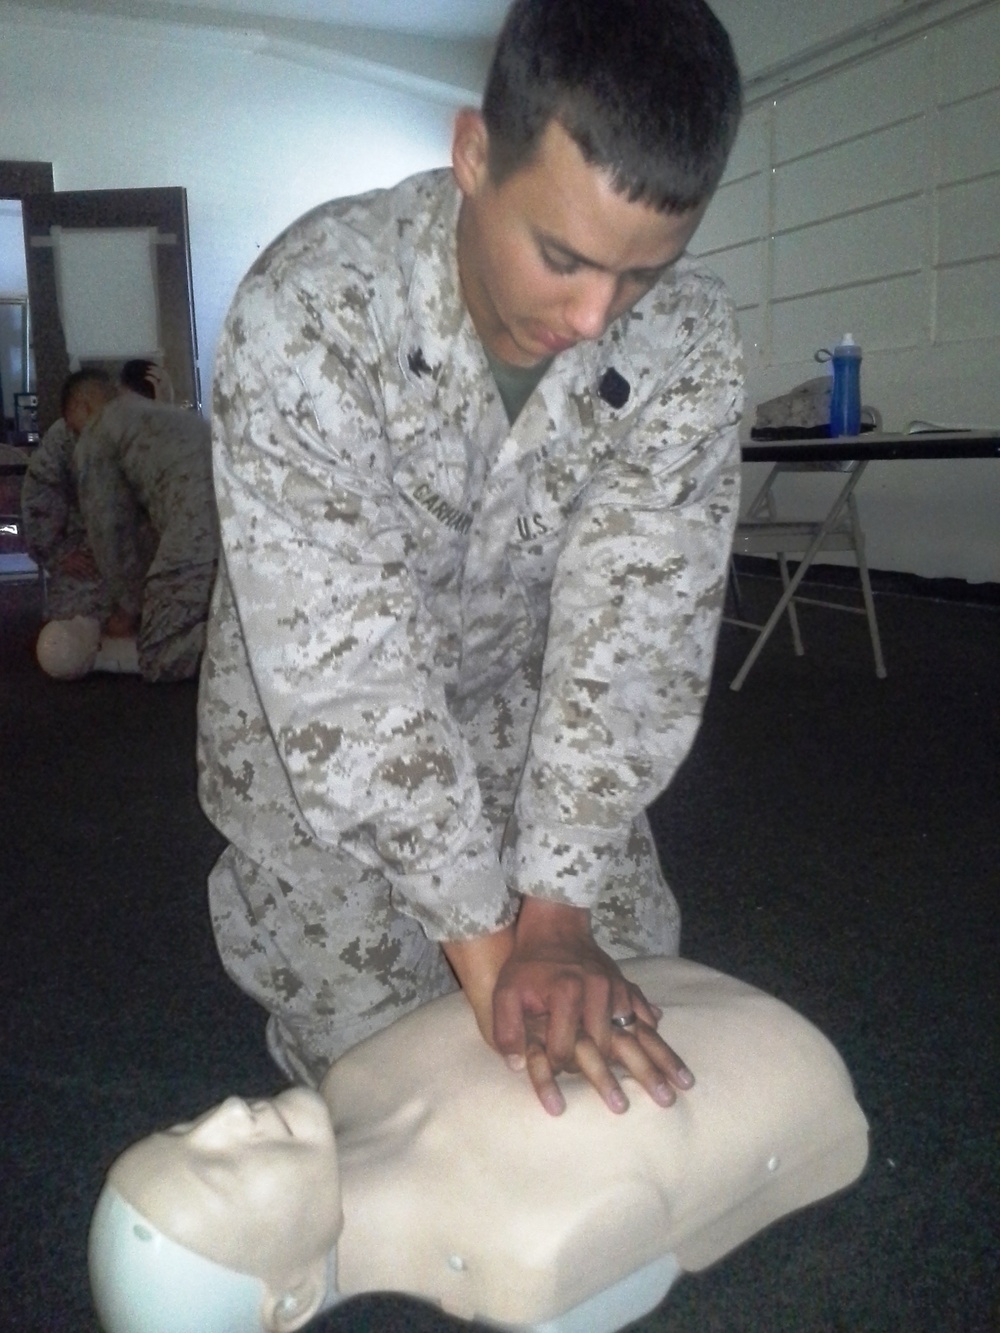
133 376
88 375
648 89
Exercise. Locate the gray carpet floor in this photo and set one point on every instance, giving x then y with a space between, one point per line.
832 838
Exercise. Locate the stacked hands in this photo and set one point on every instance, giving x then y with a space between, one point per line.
549 1000
79 564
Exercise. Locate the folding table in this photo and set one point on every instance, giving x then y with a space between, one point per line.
859 449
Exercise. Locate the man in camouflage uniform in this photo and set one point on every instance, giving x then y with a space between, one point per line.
145 486
54 531
477 471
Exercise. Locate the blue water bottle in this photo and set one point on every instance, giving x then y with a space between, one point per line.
845 400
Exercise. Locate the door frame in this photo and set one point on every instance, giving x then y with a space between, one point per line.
161 208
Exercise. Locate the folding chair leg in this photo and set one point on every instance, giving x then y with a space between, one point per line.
734 588
793 615
866 587
785 600
765 503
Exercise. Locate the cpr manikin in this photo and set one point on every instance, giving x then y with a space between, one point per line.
448 1181
71 649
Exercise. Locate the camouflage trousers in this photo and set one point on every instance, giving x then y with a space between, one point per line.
333 968
171 635
68 595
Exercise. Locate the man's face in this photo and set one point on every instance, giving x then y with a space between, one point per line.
554 255
77 413
84 405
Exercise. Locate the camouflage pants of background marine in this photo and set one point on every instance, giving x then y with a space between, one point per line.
69 595
171 635
335 966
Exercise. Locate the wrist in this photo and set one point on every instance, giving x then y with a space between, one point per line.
551 920
477 962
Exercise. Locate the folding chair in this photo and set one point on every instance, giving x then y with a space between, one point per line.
762 531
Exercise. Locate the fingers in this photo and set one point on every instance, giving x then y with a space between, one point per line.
592 1064
554 1004
509 1032
649 1013
638 1050
652 1063
542 1076
561 1031
656 1068
568 1002
621 1009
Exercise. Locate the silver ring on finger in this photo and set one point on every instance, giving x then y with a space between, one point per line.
624 1021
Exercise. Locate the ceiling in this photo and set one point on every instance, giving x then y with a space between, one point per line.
463 19
765 33
439 47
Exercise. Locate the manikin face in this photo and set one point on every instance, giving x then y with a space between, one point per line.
554 255
251 1185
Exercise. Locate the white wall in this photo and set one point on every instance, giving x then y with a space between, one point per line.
254 138
864 195
772 33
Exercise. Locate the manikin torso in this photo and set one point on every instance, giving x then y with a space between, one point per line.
484 1205
457 1188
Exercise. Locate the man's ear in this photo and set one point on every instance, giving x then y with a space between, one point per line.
470 145
294 1303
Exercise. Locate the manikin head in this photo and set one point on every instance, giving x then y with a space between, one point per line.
227 1223
67 649
605 128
